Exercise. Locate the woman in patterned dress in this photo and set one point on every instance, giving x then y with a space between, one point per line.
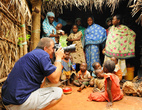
120 43
78 55
94 36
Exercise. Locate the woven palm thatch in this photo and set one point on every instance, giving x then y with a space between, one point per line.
58 4
51 5
137 8
12 13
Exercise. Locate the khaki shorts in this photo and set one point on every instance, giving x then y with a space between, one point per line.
38 99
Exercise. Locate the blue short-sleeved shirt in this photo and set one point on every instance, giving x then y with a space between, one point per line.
26 76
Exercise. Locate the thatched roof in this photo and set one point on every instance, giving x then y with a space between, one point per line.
137 8
88 4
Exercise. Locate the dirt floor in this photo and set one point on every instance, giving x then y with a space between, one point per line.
78 101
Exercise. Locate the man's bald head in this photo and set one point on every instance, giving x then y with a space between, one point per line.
45 41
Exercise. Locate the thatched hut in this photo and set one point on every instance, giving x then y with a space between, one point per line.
20 23
16 17
20 19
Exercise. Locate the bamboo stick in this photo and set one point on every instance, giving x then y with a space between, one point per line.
24 34
2 38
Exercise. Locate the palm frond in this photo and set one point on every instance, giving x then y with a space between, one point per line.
137 7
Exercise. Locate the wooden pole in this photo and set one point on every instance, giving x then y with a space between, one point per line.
36 16
23 29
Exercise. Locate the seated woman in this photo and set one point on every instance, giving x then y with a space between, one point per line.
48 27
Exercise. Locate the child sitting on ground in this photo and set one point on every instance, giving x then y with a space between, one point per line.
99 81
59 31
117 69
83 77
112 87
95 65
66 68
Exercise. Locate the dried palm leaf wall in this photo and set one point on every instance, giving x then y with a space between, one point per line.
14 18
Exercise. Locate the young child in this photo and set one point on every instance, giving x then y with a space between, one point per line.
117 69
66 67
59 31
112 87
99 81
78 55
96 65
83 77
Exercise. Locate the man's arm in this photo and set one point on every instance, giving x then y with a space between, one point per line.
55 76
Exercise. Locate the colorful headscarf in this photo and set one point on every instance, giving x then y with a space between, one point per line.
47 27
77 20
50 14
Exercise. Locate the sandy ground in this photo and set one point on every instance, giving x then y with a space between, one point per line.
78 101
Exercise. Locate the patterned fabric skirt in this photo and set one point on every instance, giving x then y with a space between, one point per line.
92 55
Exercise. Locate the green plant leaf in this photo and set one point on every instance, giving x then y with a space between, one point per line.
28 37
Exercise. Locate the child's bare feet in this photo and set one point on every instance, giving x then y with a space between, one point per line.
79 90
85 86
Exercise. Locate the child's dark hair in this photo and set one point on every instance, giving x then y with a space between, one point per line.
110 65
94 64
74 25
115 58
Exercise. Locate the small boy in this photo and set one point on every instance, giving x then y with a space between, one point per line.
66 67
96 65
117 69
83 77
99 81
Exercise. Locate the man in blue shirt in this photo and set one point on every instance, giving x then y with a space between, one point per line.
21 90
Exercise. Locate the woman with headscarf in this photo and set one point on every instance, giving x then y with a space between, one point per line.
80 28
94 36
49 29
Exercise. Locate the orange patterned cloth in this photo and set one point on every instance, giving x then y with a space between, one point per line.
118 71
115 90
119 74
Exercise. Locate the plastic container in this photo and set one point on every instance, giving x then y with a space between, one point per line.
130 73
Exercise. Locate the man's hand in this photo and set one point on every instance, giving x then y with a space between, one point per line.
59 53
